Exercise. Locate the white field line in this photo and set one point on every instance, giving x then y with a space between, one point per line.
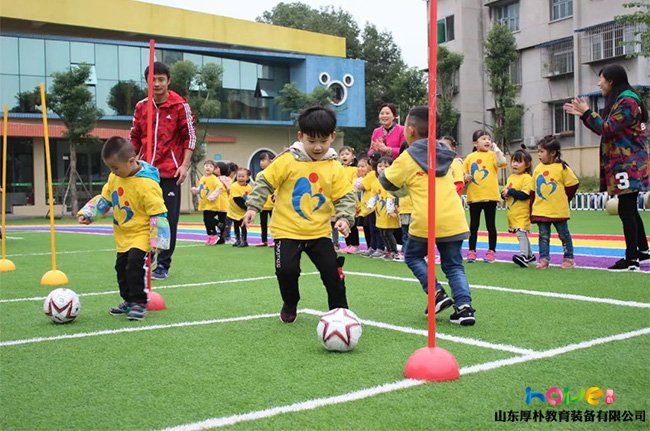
395 386
170 286
570 296
134 329
424 332
81 251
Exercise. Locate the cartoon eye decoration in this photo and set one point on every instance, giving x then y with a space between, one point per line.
339 88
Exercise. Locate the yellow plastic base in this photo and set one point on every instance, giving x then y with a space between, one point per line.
6 265
54 278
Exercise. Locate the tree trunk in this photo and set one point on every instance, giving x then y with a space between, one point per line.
73 178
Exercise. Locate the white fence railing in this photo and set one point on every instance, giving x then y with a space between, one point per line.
583 202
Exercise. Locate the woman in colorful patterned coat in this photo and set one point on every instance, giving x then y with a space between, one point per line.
624 167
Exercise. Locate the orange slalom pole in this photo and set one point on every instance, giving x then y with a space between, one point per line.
6 265
53 277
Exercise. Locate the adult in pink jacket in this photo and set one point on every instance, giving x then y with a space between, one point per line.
388 137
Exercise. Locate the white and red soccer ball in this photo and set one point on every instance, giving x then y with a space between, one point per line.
339 330
62 305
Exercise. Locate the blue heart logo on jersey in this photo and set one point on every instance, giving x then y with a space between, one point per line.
477 168
542 186
204 192
312 202
121 213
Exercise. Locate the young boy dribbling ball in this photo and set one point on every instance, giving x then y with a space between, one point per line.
139 220
307 180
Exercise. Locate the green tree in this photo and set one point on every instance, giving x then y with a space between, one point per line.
71 100
28 101
292 100
124 95
447 71
639 18
201 87
500 53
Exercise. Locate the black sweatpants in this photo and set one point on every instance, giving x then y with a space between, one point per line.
172 197
633 229
210 222
131 272
265 215
321 253
490 208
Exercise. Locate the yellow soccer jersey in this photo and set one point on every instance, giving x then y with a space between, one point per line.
482 167
134 199
550 195
384 221
236 212
207 185
368 182
405 205
304 196
268 204
518 211
450 215
457 170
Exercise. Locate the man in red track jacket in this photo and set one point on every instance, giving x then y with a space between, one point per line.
172 146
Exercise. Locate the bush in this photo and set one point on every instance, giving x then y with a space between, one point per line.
589 184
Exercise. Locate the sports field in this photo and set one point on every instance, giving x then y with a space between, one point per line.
219 356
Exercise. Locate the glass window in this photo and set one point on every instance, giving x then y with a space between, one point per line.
562 122
82 52
57 56
194 58
171 57
20 172
508 15
28 83
32 56
106 64
248 75
446 29
264 72
9 50
129 63
231 74
215 60
561 9
103 91
9 87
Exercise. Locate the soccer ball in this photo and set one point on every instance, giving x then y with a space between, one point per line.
339 330
62 305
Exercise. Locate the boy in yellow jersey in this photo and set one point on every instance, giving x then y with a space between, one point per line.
307 180
409 171
139 220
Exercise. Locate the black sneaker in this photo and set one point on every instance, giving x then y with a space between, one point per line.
123 308
288 314
236 243
624 265
644 256
137 312
520 260
464 315
531 258
243 244
159 273
442 302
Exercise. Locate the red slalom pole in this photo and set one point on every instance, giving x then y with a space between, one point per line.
155 301
432 363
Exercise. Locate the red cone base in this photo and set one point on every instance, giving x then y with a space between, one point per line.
155 302
432 364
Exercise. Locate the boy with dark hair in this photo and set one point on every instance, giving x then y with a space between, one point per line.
307 180
171 151
139 220
410 171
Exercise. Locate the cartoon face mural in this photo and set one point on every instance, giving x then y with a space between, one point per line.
339 88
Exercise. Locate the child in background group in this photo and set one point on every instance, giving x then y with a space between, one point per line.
409 173
368 185
519 187
228 177
481 170
239 192
139 220
349 162
386 213
209 190
265 159
307 180
362 196
555 185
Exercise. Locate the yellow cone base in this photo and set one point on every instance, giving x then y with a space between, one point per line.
6 265
54 278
